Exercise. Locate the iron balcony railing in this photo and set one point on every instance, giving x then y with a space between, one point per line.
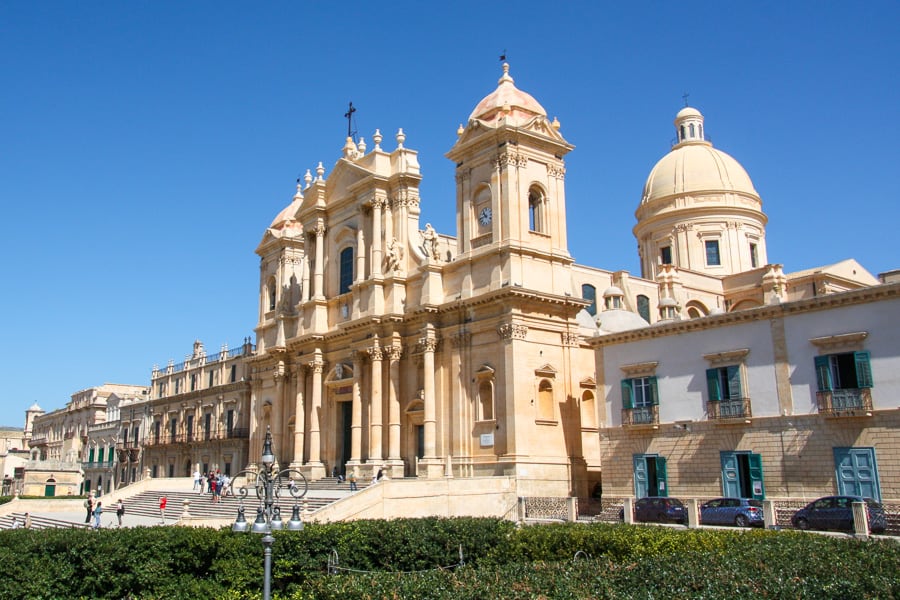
844 401
97 464
641 415
733 408
200 436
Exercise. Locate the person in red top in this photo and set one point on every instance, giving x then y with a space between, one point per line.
162 509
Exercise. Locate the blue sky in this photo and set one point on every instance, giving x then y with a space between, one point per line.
145 146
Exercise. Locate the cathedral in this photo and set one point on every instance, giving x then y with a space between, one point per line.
385 346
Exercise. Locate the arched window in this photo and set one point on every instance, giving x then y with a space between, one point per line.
486 401
692 130
270 291
643 307
589 292
682 134
545 400
346 276
536 211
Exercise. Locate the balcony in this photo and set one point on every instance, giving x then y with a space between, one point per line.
235 433
850 402
642 415
734 409
97 465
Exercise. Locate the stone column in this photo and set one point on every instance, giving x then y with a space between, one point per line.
356 418
305 277
315 415
376 453
394 353
319 274
275 415
377 205
430 345
299 414
360 255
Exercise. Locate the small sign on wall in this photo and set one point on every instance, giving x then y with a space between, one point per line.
487 439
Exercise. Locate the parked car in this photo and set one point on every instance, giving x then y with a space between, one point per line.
836 512
658 509
743 512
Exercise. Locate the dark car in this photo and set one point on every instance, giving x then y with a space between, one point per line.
743 512
658 509
836 512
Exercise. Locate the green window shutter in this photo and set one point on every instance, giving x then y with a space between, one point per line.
823 372
654 391
627 395
734 383
863 369
712 382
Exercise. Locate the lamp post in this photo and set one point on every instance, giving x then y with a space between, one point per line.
269 487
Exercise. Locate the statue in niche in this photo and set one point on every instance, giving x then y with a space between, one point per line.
431 242
394 255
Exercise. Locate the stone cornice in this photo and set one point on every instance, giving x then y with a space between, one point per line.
644 369
774 311
848 341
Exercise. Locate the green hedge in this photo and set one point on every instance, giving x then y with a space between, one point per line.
400 559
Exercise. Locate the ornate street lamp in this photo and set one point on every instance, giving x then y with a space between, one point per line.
269 486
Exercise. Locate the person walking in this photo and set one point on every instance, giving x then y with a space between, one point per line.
98 511
89 505
353 487
27 520
120 511
197 482
162 509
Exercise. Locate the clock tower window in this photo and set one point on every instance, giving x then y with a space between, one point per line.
537 208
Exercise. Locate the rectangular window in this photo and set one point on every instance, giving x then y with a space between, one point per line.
190 427
100 454
178 386
173 428
157 426
665 255
754 257
210 379
844 382
229 421
134 438
207 424
640 399
233 373
712 253
193 381
726 394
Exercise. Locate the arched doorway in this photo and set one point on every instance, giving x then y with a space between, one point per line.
50 487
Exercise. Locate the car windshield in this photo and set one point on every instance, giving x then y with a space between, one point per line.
675 502
873 503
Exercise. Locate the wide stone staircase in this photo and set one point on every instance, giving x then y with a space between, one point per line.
39 522
320 493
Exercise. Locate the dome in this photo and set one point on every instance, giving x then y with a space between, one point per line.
688 111
508 100
694 166
615 320
667 302
35 408
613 291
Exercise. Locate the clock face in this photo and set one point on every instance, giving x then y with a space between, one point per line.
484 217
